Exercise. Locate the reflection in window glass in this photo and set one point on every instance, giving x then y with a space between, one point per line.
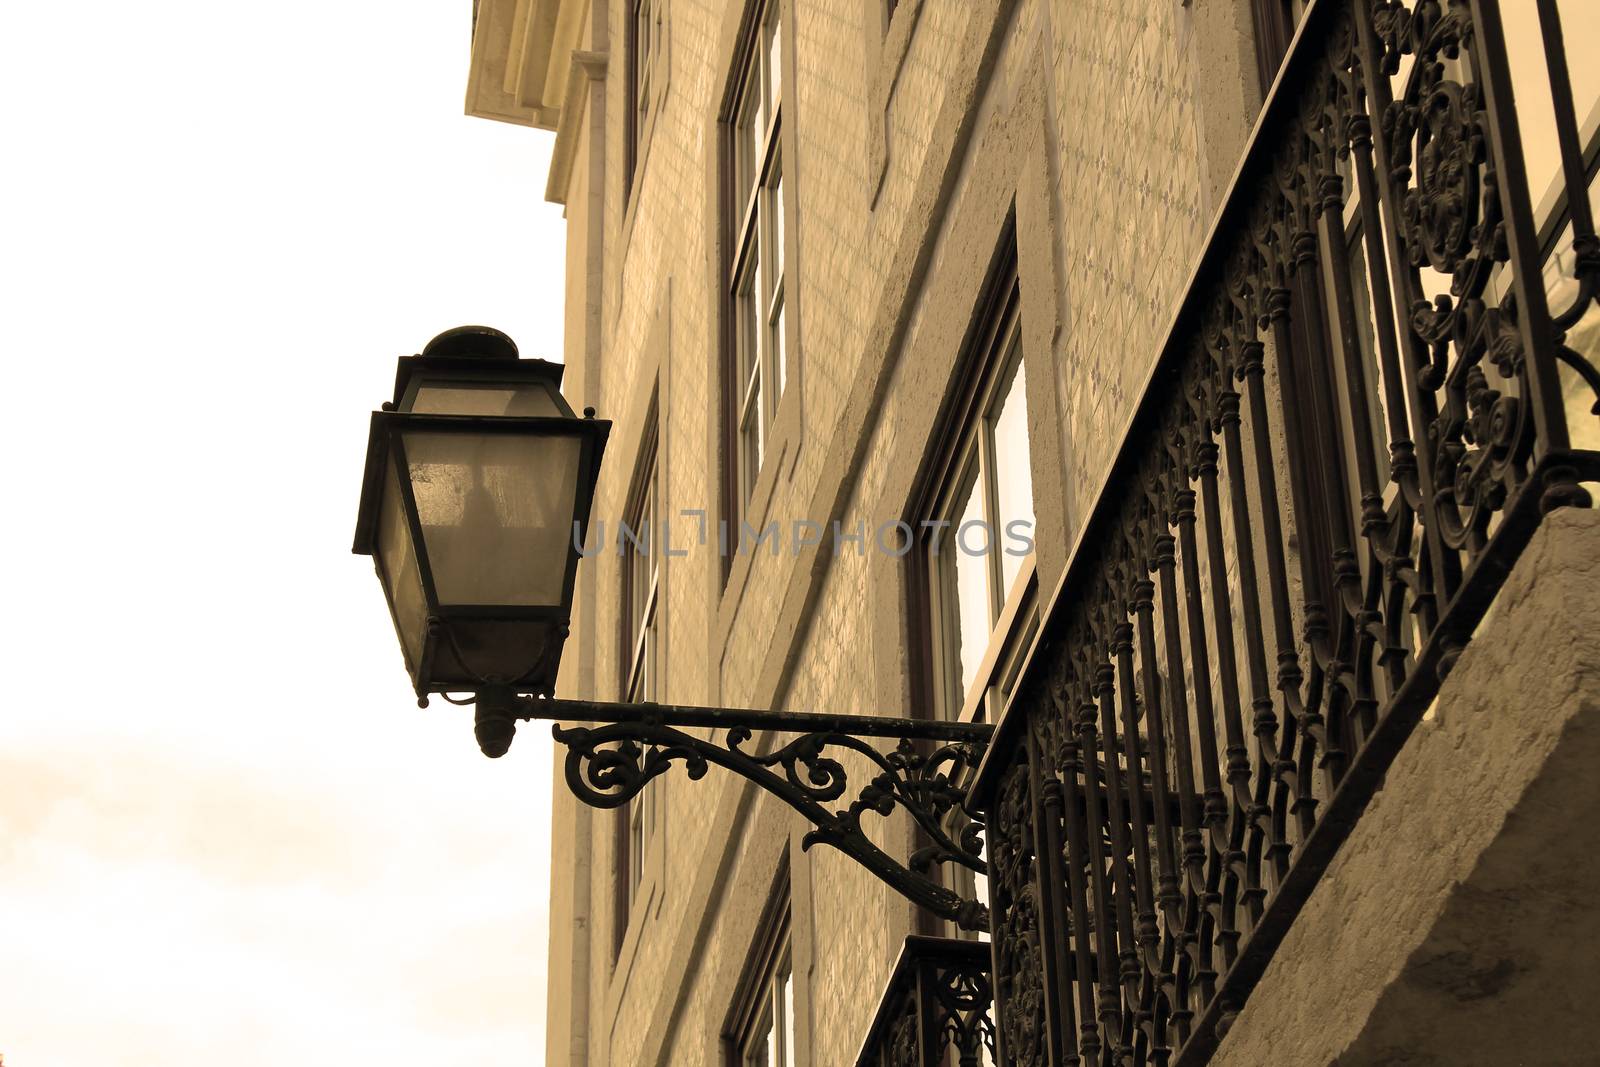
1013 476
966 540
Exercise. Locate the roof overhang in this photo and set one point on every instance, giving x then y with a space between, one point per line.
521 56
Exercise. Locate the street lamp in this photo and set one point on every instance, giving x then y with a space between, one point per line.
479 479
478 483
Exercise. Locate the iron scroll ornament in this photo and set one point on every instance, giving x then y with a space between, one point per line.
608 765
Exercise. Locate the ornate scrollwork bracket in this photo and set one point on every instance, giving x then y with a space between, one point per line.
607 765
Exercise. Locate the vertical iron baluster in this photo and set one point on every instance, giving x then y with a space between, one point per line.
1127 933
1055 921
1251 371
1168 896
1215 804
1186 930
1020 1023
1440 567
1108 982
1330 209
1402 451
1080 859
1241 880
1321 711
1264 721
1534 327
1146 934
1573 172
1400 570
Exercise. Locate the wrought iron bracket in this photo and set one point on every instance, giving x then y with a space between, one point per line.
607 766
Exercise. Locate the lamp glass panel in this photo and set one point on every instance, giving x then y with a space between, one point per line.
398 558
484 398
496 511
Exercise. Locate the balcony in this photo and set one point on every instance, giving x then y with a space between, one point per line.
935 1009
1377 389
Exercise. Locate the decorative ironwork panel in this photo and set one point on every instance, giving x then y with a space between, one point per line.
1363 410
607 766
935 1010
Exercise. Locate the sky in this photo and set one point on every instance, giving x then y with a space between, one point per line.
228 835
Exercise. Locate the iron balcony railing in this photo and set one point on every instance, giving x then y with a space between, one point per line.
935 1009
1376 386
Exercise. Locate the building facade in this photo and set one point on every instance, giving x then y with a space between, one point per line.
1259 362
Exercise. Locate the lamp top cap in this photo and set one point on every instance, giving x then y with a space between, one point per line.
472 342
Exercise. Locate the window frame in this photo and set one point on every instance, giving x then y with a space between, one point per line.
645 85
639 662
762 991
758 305
993 359
1275 24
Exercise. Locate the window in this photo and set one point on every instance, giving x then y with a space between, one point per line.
757 272
762 1025
643 37
640 642
976 547
1275 22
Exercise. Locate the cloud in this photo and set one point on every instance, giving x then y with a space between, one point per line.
183 915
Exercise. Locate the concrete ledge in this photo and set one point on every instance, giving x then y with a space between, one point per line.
1459 922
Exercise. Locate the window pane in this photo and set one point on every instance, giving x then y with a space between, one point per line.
757 1052
776 206
635 846
780 355
774 34
787 1000
1013 476
748 148
756 306
757 133
967 551
745 315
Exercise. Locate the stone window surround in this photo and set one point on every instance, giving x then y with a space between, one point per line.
887 42
785 431
994 335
